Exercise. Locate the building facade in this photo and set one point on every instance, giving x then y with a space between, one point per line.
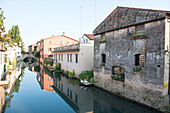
47 45
87 38
77 57
131 54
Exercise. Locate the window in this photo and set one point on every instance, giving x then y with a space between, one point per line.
116 70
76 98
70 57
103 36
76 55
103 58
67 92
71 94
59 56
86 40
139 60
140 29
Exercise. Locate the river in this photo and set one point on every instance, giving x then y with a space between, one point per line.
38 90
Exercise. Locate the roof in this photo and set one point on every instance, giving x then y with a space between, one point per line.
132 8
90 36
58 36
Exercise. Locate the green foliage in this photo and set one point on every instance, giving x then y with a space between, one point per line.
48 61
37 54
37 68
117 77
14 34
102 64
167 107
23 52
102 41
4 68
10 63
86 75
2 27
35 48
137 69
71 74
139 36
58 67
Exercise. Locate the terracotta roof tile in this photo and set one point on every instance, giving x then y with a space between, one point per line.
90 36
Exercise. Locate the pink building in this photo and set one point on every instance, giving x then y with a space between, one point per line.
47 45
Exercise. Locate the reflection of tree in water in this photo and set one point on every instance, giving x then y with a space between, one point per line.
37 68
57 76
15 88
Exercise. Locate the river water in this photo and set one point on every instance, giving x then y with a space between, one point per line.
37 90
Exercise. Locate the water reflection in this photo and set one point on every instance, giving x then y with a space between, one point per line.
14 77
59 93
45 80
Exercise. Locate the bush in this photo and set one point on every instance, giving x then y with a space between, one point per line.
117 77
58 67
10 63
48 61
86 75
137 69
37 54
71 74
102 64
102 41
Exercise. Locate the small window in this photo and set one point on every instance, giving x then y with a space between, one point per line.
139 60
103 58
76 98
59 57
140 29
76 55
103 36
70 57
86 40
67 57
71 94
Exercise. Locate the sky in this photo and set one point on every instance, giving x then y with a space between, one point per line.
39 19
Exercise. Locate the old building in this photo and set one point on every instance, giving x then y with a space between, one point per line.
77 57
131 54
47 45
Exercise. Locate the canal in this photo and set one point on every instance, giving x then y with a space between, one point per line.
37 90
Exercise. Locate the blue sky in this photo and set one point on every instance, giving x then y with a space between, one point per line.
38 19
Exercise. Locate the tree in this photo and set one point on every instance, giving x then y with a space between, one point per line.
14 34
37 54
2 27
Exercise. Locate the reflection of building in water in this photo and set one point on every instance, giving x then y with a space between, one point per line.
44 80
2 98
12 78
78 97
91 99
